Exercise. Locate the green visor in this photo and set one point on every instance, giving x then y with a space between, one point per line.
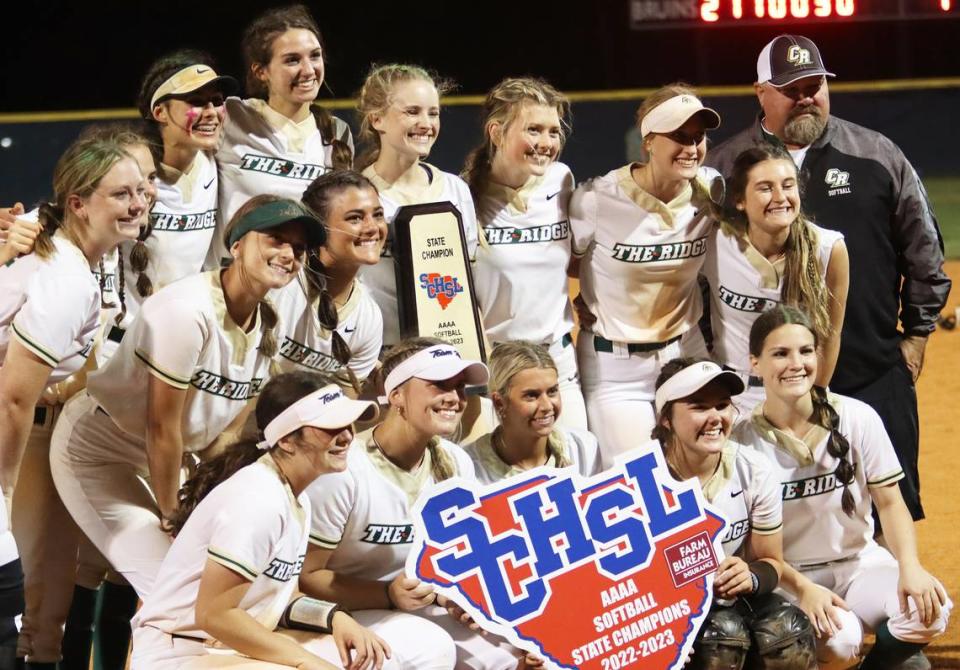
277 213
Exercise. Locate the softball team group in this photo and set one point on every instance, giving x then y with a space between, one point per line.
194 324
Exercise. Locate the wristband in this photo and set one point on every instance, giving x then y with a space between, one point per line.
307 613
764 577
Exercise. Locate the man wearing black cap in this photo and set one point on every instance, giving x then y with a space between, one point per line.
858 182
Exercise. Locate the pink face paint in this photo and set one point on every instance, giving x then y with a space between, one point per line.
192 115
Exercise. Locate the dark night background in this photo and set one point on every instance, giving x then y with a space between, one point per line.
76 55
61 56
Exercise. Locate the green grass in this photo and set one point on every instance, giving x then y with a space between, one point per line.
945 195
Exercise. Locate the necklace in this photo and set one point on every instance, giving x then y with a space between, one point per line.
376 443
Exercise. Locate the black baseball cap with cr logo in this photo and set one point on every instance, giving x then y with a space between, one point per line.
788 58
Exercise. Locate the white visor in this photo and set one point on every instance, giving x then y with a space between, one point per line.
327 408
437 363
673 113
693 378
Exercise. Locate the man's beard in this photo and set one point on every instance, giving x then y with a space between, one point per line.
804 128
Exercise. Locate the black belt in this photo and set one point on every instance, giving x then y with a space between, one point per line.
178 636
601 343
39 416
754 381
115 334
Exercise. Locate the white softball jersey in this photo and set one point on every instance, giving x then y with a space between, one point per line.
744 284
363 515
640 256
251 524
579 446
381 278
51 306
816 530
184 218
184 337
746 491
520 272
263 151
306 345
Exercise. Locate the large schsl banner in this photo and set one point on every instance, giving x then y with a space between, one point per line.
603 573
434 283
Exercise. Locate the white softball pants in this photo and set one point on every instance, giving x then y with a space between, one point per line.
415 645
619 389
102 476
868 584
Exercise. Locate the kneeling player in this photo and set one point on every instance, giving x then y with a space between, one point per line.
695 416
844 461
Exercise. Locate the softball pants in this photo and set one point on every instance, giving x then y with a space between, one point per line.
868 584
47 539
619 388
101 474
415 645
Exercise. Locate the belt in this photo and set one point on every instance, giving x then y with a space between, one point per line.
601 343
115 334
40 415
754 381
178 636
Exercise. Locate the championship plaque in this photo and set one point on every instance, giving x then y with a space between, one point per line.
434 283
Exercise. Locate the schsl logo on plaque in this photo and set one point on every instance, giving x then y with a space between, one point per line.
434 283
598 573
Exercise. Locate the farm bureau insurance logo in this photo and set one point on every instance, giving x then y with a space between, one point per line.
442 288
598 573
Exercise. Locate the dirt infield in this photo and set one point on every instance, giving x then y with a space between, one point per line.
939 533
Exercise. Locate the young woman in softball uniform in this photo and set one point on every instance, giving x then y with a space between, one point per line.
277 140
695 417
227 592
197 354
329 321
399 123
834 460
521 192
182 103
362 525
640 234
764 252
525 389
48 321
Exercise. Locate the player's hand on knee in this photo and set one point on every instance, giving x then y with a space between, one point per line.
529 661
733 578
821 607
358 646
409 594
927 593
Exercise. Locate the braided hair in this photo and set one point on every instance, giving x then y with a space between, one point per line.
824 414
258 41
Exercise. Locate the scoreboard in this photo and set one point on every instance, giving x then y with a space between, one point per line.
660 14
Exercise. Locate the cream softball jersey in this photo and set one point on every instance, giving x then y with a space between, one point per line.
381 278
520 274
638 276
744 284
832 549
363 517
263 151
579 446
184 337
306 345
